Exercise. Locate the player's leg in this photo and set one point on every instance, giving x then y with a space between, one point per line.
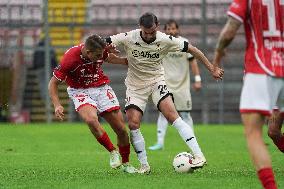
109 109
162 125
185 115
136 100
87 109
115 119
89 114
134 117
274 130
253 123
255 104
276 120
166 106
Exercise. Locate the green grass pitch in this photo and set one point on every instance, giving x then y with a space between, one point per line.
68 156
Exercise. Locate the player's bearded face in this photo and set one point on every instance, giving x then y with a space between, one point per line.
149 34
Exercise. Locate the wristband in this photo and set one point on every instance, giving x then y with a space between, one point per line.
197 78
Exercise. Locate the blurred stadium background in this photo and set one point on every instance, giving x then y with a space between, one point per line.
67 22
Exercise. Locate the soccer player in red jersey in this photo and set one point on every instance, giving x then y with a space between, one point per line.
88 87
264 71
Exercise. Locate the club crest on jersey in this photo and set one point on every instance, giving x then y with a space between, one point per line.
138 44
159 47
144 54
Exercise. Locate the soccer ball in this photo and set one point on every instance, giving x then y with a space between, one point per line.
182 162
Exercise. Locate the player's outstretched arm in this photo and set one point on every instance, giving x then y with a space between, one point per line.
196 73
53 93
114 59
225 38
216 72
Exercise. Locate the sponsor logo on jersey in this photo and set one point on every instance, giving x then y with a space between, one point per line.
175 55
145 54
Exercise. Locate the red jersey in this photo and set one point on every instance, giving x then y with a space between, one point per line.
80 72
264 25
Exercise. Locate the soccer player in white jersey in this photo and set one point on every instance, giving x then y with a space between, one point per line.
176 66
264 72
145 48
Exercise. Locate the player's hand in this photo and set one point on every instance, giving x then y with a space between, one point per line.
217 73
111 49
113 59
59 112
197 86
217 57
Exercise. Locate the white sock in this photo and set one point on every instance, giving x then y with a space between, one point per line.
186 117
138 144
188 136
162 125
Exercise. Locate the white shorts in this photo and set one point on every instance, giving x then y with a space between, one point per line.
182 100
102 98
138 97
261 93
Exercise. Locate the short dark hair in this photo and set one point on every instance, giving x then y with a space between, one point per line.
148 19
94 42
169 22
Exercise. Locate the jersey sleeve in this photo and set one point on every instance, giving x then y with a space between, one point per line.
62 70
238 10
189 56
117 39
177 45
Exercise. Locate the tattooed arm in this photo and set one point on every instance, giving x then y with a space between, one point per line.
225 38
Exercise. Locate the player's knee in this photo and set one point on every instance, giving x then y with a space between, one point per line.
91 121
133 124
171 116
251 133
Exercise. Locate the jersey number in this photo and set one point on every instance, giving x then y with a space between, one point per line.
109 94
163 89
272 30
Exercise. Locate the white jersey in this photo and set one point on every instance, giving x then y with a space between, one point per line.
145 60
177 77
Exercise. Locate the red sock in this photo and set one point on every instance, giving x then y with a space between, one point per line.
280 144
266 176
124 152
105 141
